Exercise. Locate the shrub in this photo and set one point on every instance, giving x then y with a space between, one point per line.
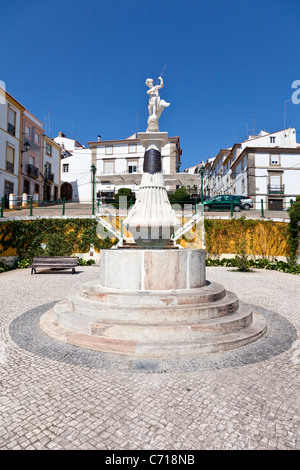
124 192
180 196
4 267
294 231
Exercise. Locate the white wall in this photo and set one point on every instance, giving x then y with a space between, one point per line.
79 174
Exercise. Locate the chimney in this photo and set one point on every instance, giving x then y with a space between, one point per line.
99 138
60 134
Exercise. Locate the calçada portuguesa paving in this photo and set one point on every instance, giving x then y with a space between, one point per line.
54 396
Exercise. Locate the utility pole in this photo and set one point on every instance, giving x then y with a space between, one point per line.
286 101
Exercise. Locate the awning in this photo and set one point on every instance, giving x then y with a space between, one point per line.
181 179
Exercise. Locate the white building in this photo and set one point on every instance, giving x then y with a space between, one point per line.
75 172
119 164
265 167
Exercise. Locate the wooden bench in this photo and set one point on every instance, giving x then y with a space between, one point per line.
54 262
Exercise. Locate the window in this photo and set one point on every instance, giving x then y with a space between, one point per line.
108 168
27 131
36 138
132 169
66 168
272 140
274 160
48 149
36 188
132 148
8 189
11 122
26 187
108 150
10 159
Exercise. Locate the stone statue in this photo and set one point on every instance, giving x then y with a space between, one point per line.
155 104
152 221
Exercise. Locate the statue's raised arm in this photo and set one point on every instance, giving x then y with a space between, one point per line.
161 83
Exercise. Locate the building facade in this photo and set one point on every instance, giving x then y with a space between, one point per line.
29 160
51 169
265 167
11 112
30 177
118 163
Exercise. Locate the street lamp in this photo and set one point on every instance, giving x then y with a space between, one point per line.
26 147
201 171
93 170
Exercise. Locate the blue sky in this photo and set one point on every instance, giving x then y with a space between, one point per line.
230 66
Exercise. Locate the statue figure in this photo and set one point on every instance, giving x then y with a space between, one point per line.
155 104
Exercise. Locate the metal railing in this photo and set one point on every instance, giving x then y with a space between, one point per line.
276 189
183 209
32 171
9 167
11 129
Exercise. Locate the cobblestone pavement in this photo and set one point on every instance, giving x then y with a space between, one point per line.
52 397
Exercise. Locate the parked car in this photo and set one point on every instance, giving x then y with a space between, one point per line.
247 202
223 202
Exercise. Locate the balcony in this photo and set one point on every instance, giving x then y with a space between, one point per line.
276 189
32 171
11 129
9 167
49 177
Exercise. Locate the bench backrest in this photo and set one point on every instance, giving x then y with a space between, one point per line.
65 260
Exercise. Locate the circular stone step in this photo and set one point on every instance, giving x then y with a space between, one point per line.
210 292
153 312
134 348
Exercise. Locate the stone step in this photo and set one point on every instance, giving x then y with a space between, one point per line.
140 328
174 331
211 292
216 344
132 348
91 311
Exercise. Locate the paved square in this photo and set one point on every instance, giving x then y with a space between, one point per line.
52 397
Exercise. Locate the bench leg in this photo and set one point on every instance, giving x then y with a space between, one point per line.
33 270
73 270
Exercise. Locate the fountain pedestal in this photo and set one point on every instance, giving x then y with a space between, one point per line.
153 303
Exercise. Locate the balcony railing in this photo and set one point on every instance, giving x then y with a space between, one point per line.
276 189
11 129
32 171
49 176
10 167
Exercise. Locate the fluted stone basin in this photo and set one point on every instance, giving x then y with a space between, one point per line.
150 303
